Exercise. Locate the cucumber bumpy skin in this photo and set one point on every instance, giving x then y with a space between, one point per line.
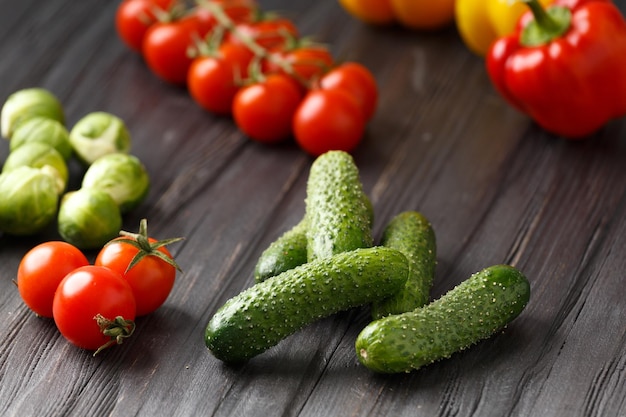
336 207
264 314
412 234
290 250
285 253
474 310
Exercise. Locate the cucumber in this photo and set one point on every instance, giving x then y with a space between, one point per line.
289 250
412 234
285 253
474 310
264 314
337 212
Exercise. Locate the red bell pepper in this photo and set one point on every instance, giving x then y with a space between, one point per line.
565 66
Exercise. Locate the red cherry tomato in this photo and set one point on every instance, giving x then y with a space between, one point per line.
356 80
151 279
264 110
134 17
307 63
328 120
213 80
94 307
166 47
42 269
269 33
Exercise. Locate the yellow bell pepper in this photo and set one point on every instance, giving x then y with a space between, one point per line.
480 22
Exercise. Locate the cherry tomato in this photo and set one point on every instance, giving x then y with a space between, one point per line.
424 14
358 81
166 47
307 63
134 17
94 307
264 110
145 263
42 269
375 12
213 80
328 120
269 33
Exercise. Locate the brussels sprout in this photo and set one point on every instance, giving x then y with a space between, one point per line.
28 201
98 134
39 155
122 176
43 130
88 218
27 103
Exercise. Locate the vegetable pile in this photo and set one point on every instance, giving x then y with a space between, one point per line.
239 61
94 305
329 263
34 179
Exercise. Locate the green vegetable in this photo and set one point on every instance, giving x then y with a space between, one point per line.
474 310
264 314
285 253
122 176
412 234
337 212
28 200
27 103
42 129
40 155
98 134
89 218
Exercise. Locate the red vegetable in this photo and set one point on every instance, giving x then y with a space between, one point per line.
144 263
42 269
565 66
94 308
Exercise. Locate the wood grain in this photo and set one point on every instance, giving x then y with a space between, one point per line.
496 187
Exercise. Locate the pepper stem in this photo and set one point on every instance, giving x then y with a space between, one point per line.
547 25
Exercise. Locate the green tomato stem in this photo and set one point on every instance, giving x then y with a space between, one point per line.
117 330
141 242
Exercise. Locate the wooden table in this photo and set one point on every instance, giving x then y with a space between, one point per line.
496 188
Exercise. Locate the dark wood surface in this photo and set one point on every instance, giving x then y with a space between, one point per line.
496 187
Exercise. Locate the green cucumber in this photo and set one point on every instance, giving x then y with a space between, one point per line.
412 234
337 212
474 310
285 253
264 314
289 250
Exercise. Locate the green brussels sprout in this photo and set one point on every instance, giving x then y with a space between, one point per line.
43 130
28 201
27 103
88 218
40 155
98 134
122 176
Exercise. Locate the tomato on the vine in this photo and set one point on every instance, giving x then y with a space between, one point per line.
306 63
134 17
166 47
214 80
42 269
328 120
356 80
145 263
94 308
270 34
264 110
